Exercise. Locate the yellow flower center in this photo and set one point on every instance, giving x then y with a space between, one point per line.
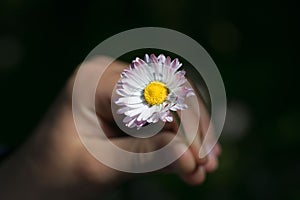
155 93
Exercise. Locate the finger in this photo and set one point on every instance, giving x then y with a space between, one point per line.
191 132
195 178
217 150
212 163
185 164
208 137
212 159
196 113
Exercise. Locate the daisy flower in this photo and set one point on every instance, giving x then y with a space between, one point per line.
150 89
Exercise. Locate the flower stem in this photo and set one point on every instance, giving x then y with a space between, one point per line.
180 126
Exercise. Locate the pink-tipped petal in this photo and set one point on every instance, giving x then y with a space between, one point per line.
153 58
175 64
161 59
168 61
140 62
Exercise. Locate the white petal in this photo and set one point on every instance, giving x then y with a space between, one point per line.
127 119
142 75
180 78
156 113
167 75
125 93
131 123
171 99
128 100
146 58
121 92
133 81
190 93
160 68
163 115
148 73
169 118
146 114
130 89
138 105
179 107
176 82
154 118
183 92
136 111
171 76
122 110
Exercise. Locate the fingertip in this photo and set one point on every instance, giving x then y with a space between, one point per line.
185 164
195 178
212 163
217 150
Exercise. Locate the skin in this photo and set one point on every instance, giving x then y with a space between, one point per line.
53 163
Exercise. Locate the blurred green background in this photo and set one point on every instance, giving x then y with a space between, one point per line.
255 44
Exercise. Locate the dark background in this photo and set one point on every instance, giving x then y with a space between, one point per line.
254 43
